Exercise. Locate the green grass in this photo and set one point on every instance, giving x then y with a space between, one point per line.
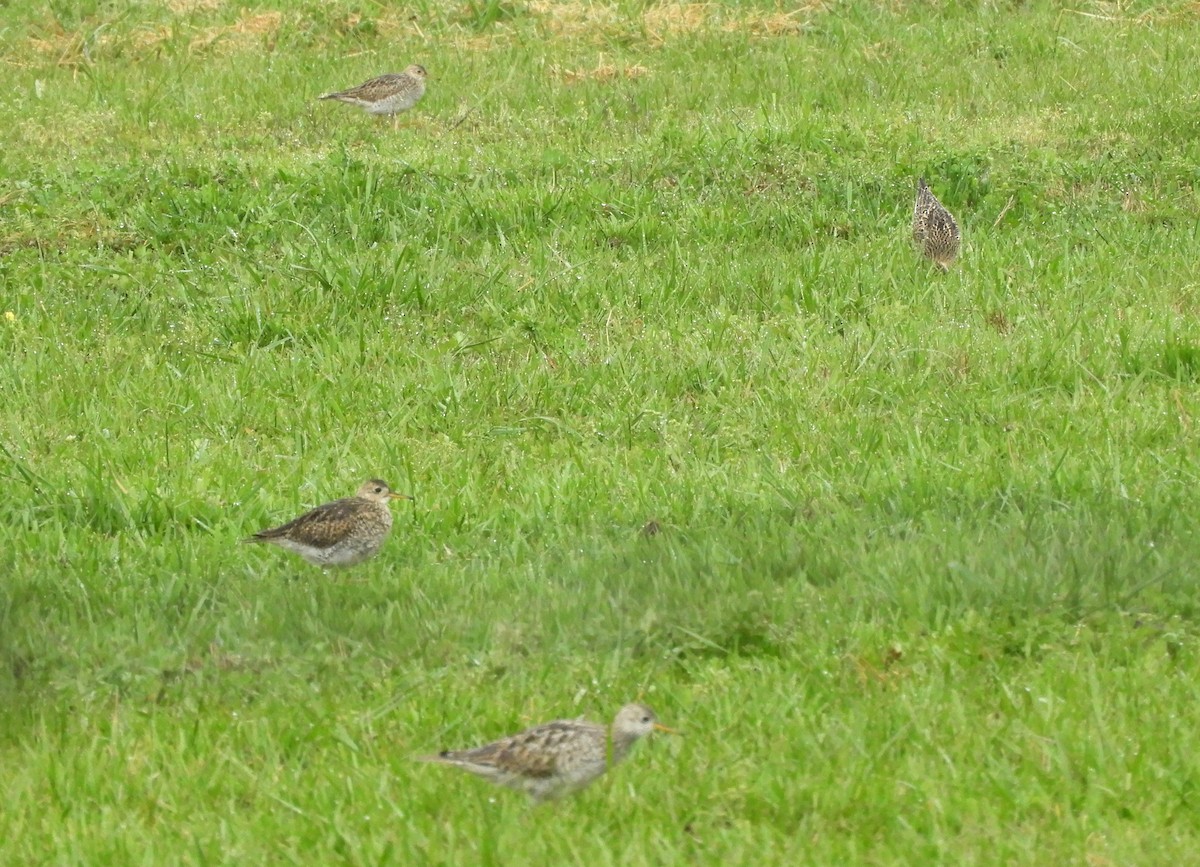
925 590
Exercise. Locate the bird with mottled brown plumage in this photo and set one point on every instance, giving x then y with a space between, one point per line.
389 94
552 760
341 533
934 229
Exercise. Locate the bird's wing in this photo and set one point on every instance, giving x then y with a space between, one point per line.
323 527
534 754
376 88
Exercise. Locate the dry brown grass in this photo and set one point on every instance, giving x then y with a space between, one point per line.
58 46
669 20
1119 13
601 72
145 40
1185 15
389 23
248 31
71 233
576 19
75 48
666 21
481 42
189 7
571 20
773 24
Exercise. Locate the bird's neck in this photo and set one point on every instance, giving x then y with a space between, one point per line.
618 746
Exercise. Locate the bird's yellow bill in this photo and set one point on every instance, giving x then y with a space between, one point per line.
659 727
392 495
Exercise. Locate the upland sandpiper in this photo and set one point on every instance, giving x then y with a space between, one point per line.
390 94
341 533
934 230
555 759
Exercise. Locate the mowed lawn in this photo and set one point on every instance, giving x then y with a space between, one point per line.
628 303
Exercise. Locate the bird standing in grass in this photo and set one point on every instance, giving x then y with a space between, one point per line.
555 759
388 94
934 229
341 533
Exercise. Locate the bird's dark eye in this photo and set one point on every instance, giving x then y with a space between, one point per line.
379 490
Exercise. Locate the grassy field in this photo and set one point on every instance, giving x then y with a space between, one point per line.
925 586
